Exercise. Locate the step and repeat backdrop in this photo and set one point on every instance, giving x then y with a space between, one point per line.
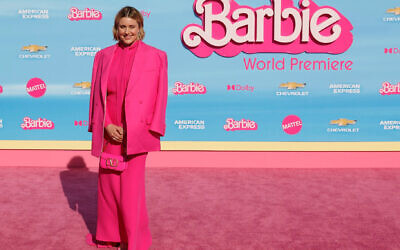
243 74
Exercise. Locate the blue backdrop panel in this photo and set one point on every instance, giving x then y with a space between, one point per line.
40 41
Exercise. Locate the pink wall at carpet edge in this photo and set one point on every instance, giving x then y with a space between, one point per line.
213 159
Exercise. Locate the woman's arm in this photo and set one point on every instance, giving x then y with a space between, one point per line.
158 122
93 86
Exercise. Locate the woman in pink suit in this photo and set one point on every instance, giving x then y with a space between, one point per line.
126 117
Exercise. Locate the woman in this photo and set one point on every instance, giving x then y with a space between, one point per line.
126 117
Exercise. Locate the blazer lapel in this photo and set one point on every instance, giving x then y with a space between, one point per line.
107 60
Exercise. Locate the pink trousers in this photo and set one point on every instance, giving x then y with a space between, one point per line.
121 206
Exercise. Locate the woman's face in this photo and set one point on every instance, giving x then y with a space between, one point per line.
128 30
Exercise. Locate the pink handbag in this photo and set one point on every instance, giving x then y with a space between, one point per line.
113 162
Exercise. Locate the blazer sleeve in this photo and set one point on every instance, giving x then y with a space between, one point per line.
158 123
93 86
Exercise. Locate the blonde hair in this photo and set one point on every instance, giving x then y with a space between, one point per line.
130 12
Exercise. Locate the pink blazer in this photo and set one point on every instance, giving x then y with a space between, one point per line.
145 99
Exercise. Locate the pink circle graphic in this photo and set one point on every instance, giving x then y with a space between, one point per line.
36 87
1 89
292 124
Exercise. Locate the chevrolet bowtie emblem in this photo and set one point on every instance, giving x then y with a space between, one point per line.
34 48
395 11
84 85
292 85
343 122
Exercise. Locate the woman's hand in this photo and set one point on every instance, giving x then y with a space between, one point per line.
115 132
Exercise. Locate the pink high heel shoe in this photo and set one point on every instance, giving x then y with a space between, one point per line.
91 241
123 246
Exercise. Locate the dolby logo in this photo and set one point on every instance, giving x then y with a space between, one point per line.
392 51
238 87
81 123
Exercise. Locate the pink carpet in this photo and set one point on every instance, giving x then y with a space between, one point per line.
209 208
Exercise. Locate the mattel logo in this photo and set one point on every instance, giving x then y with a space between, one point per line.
191 88
292 124
40 123
392 51
244 124
81 123
238 87
86 14
389 89
36 87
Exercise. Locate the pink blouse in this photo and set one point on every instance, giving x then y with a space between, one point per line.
120 72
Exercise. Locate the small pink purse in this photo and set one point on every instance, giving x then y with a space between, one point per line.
113 162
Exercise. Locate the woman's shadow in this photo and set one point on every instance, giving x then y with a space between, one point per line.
80 188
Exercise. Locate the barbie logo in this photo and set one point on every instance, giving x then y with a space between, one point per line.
229 28
191 88
36 87
389 89
37 124
86 14
232 125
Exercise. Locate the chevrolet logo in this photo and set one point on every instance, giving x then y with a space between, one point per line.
343 122
34 48
292 85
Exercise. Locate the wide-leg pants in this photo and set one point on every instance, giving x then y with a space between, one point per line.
122 213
